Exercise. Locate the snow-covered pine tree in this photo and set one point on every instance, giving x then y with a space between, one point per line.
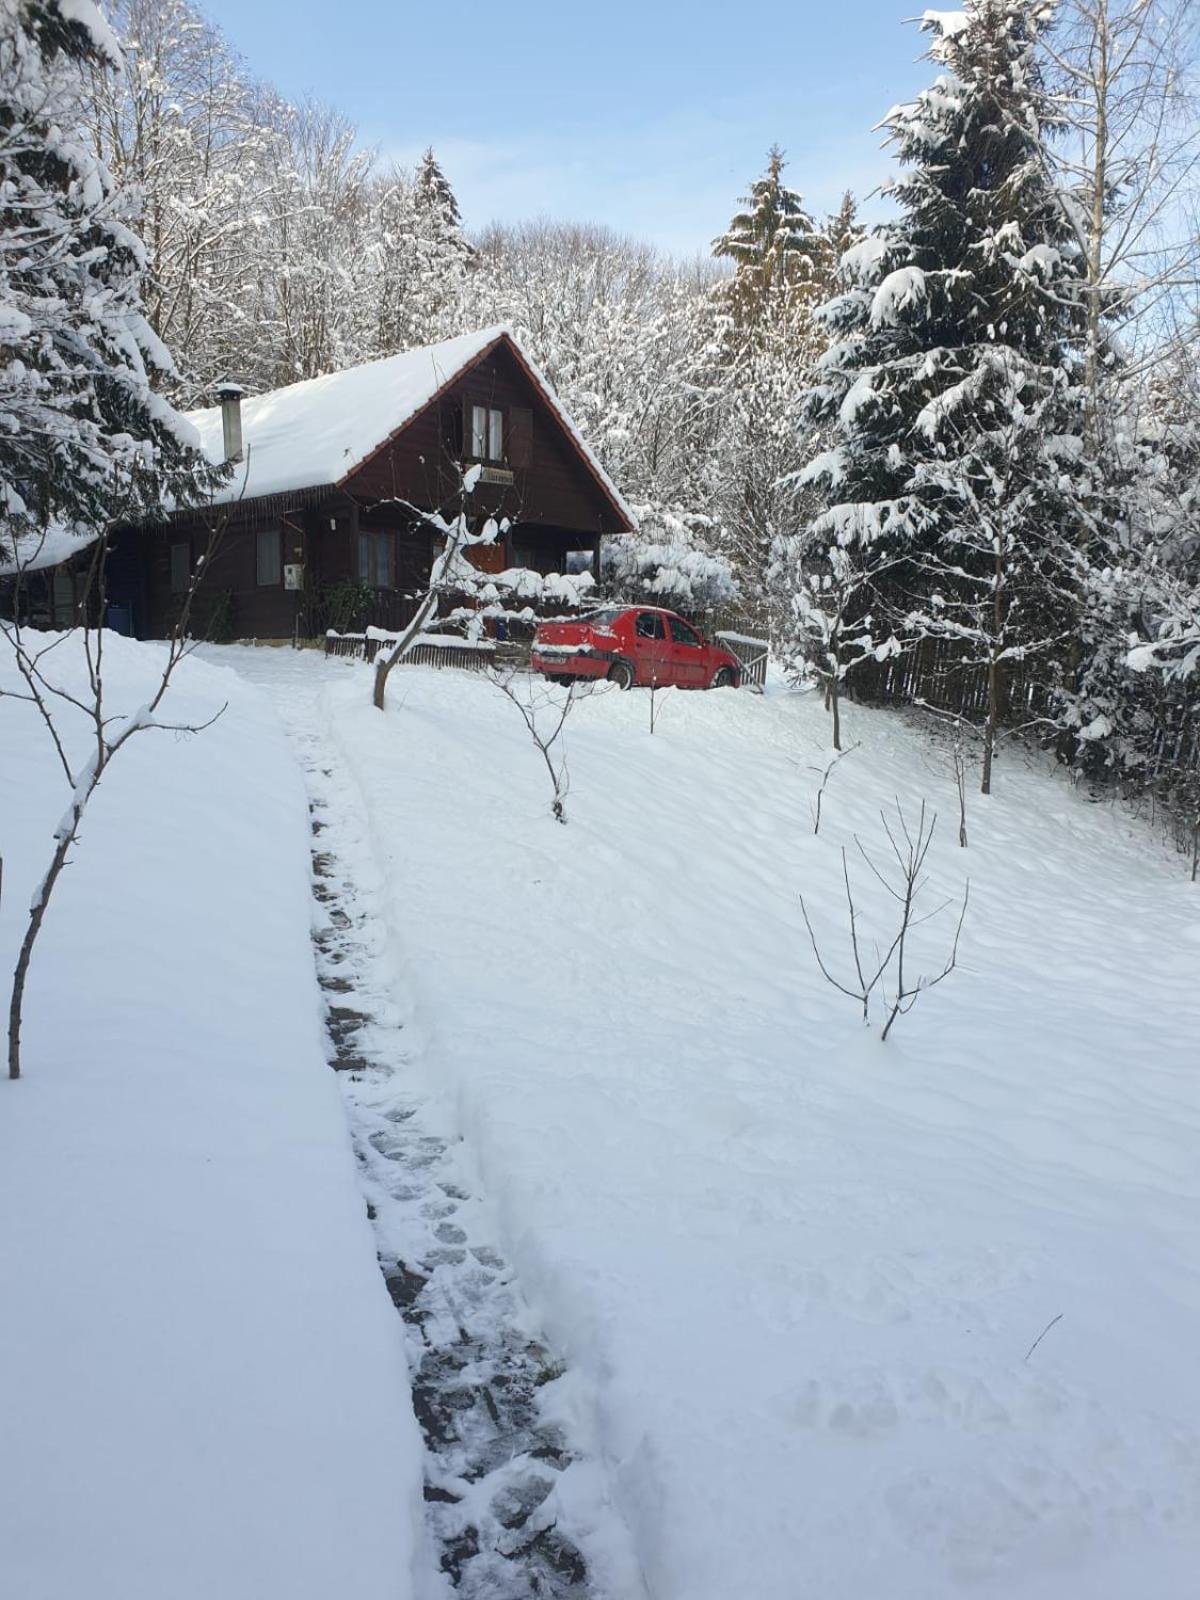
776 248
84 434
952 389
843 230
763 345
434 194
417 263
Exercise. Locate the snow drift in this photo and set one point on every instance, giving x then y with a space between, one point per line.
202 1383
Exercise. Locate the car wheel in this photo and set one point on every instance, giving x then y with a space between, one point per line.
724 679
621 673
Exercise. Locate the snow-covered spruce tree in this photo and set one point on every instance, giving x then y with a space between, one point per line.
952 392
81 421
763 346
843 230
417 263
775 247
85 438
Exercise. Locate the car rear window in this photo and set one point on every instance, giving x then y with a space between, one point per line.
605 618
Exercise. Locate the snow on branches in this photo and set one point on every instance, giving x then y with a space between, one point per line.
664 566
78 411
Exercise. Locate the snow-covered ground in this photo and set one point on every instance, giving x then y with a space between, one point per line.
203 1389
796 1276
796 1273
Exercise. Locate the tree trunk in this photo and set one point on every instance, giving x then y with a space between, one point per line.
835 706
424 611
989 727
26 951
386 662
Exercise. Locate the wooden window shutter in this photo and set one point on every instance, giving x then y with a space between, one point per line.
520 436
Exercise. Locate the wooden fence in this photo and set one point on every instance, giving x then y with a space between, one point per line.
751 652
427 653
933 673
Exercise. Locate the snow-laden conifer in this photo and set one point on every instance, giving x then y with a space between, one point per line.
83 433
951 398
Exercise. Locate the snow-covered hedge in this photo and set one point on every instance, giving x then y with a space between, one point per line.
666 565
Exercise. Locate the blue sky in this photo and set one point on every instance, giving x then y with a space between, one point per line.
650 117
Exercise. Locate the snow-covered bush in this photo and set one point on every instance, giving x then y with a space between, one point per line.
665 565
1134 716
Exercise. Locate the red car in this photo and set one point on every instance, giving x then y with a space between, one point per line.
633 644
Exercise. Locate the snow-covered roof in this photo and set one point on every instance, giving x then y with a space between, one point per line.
318 431
36 551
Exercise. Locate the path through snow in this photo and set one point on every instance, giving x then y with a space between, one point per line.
510 1506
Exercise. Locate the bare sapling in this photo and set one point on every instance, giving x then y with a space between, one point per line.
445 571
958 755
962 731
891 971
655 708
863 986
108 732
825 774
905 888
545 714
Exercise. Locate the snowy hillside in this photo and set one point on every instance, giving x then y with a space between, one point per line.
796 1278
202 1387
795 1273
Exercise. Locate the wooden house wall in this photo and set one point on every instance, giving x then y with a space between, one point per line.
555 504
552 488
230 602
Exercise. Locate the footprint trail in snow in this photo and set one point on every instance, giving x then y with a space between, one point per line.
494 1466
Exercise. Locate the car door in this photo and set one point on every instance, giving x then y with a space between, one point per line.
651 649
687 654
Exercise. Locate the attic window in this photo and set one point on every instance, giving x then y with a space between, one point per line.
487 433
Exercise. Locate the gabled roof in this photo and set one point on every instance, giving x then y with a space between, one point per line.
319 431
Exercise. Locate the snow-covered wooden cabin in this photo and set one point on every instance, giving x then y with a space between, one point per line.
333 473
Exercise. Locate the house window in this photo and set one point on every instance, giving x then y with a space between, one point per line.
181 567
377 560
269 557
487 433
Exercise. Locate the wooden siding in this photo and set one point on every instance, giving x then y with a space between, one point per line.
552 486
555 505
230 602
